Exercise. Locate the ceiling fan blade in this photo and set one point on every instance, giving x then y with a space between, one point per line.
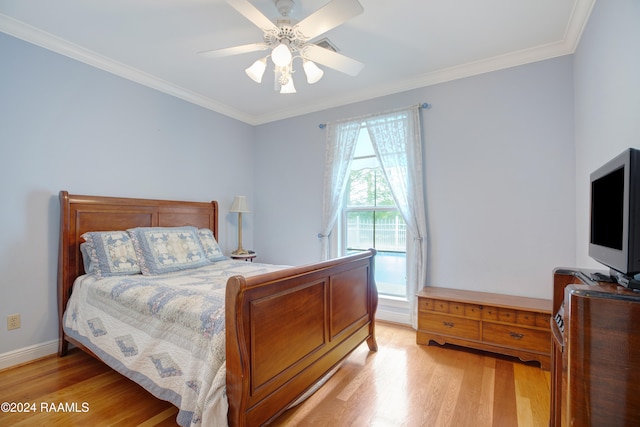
252 13
236 50
329 16
332 59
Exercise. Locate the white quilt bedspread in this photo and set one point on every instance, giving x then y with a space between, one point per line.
164 332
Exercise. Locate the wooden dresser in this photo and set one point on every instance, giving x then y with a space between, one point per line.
595 370
505 324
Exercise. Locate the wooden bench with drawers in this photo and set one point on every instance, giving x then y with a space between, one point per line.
505 324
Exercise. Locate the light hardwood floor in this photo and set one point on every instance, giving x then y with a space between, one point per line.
403 384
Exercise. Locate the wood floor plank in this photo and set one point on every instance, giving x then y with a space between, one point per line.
452 380
505 411
537 398
469 410
487 392
403 384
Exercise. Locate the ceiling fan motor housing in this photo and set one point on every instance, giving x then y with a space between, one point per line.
285 33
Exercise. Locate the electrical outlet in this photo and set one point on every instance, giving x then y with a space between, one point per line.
13 321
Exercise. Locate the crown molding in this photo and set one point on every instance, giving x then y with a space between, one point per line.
444 75
30 34
579 17
577 22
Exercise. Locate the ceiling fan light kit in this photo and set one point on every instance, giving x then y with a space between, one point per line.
256 71
288 87
289 41
281 55
312 71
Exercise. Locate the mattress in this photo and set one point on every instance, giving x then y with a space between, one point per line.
164 332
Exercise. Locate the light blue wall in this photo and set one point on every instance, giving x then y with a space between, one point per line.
67 126
607 86
500 174
502 163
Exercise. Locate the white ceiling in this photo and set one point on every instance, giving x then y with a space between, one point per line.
404 44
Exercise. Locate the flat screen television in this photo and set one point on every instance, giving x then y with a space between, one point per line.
615 217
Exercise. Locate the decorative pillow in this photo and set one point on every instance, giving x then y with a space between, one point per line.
110 253
85 250
165 249
211 248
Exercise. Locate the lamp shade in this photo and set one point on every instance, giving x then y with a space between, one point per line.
239 205
281 55
256 71
312 71
288 87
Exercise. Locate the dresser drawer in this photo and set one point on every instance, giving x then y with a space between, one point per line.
507 315
449 325
525 318
489 313
441 306
542 320
425 304
512 336
456 308
473 311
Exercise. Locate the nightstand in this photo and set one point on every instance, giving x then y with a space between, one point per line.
246 257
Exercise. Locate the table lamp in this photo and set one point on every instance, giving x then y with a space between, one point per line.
239 205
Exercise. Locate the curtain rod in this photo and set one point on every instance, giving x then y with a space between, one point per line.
423 106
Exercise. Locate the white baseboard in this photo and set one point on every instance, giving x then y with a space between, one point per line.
27 354
393 311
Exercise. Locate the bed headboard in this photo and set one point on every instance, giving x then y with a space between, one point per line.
79 214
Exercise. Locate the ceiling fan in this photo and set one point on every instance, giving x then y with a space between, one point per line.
288 40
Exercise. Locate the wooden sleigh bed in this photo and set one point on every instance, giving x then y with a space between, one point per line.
285 330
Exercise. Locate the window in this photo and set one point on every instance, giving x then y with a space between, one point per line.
372 220
401 266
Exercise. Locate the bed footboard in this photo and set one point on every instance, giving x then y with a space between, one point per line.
286 330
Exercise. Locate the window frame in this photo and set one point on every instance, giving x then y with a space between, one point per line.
346 209
374 209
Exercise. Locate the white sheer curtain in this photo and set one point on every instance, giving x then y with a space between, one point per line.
396 139
341 144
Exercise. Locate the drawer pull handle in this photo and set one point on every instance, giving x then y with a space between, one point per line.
448 324
516 335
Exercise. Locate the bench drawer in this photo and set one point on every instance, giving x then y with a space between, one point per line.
512 336
449 325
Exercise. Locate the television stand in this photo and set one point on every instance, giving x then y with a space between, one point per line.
595 380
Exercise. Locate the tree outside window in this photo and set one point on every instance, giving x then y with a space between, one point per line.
372 220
